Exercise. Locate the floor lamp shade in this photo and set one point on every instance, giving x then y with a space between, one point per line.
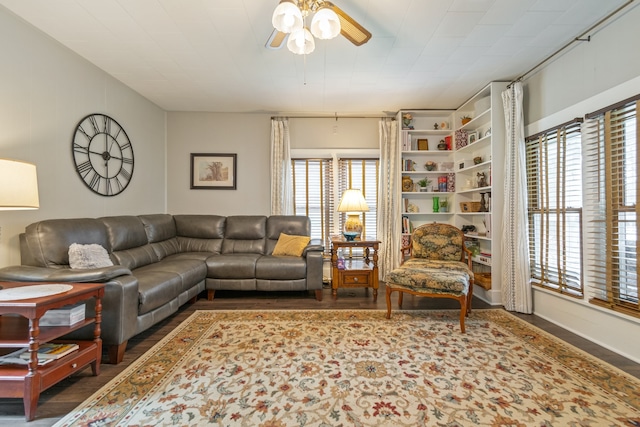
18 185
352 204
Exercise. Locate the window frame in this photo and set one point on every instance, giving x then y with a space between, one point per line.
555 226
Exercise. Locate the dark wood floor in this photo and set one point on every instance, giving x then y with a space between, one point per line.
62 398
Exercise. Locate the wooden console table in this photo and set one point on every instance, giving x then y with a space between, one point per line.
20 328
357 272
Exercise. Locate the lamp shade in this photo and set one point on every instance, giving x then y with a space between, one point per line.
301 42
353 201
325 24
287 18
18 185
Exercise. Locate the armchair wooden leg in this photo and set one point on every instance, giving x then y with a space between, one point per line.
400 295
389 290
463 311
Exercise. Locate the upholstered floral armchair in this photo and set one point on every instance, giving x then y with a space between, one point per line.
439 266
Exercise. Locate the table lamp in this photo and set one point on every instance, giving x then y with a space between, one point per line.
18 186
352 203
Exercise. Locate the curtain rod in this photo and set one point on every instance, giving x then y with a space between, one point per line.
331 117
580 38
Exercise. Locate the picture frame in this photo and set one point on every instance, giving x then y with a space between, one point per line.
423 144
472 137
213 171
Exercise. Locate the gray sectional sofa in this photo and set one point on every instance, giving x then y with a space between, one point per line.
162 261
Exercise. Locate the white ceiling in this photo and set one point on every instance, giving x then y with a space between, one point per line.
209 55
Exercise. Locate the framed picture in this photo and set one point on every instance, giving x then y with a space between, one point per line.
213 171
423 144
472 137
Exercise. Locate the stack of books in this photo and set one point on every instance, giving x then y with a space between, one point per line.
65 316
49 352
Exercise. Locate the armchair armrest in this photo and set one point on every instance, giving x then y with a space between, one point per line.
28 273
467 255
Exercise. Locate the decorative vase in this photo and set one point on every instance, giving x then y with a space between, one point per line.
406 123
442 145
436 204
483 203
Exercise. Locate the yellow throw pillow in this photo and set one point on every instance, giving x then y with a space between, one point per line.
290 245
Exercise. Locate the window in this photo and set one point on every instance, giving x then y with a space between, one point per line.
318 186
554 186
611 145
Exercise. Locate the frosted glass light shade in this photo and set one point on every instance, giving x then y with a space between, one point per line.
18 185
325 24
301 42
287 18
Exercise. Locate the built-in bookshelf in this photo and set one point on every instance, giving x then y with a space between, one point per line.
465 159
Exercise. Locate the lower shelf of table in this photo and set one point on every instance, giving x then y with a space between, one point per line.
14 377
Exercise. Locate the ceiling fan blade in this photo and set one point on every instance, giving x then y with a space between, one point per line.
349 28
276 40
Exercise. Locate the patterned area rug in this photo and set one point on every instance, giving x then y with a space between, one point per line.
356 368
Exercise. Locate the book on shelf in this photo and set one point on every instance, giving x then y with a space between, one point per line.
64 316
52 351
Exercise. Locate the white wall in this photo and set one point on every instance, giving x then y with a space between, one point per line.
587 78
45 90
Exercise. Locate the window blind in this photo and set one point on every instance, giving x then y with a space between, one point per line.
554 185
313 195
362 174
611 151
315 183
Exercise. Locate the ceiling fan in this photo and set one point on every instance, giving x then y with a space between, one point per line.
289 21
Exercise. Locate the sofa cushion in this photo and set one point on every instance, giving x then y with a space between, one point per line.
47 242
232 266
200 226
281 268
191 270
290 245
245 234
156 287
158 227
288 224
125 232
88 256
200 233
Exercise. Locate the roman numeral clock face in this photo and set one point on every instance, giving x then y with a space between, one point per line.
103 155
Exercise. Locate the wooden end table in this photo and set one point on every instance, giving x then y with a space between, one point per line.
20 328
358 272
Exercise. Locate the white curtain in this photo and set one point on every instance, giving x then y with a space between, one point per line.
388 221
516 285
281 185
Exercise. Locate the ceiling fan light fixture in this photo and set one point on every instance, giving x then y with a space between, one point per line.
301 42
287 17
325 23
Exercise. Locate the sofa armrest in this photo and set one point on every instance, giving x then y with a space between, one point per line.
27 273
315 245
119 312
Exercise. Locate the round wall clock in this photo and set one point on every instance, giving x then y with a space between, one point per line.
102 154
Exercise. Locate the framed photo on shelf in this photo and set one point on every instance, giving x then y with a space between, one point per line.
213 171
472 137
423 144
